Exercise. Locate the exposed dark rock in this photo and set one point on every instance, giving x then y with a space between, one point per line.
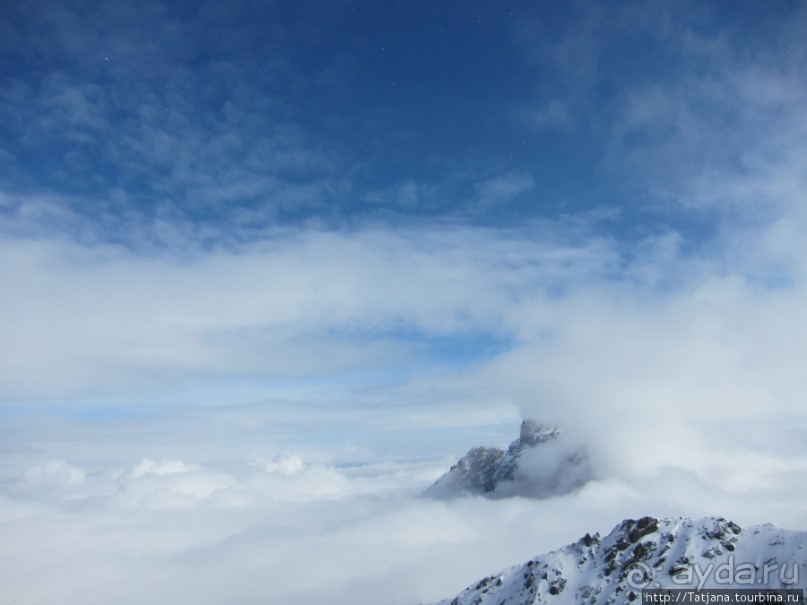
641 528
525 468
674 545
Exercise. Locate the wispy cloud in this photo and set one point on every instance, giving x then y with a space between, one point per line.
503 188
112 102
281 306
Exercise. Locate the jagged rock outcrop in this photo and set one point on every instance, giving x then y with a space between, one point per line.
537 464
650 553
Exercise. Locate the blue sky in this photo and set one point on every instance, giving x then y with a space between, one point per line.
283 112
224 203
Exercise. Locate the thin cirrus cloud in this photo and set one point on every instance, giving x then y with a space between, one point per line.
503 188
109 103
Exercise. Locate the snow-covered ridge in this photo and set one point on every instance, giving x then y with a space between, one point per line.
538 464
650 553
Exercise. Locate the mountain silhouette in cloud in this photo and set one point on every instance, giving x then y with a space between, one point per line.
536 465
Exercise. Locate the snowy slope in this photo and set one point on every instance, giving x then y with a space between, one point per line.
648 552
537 464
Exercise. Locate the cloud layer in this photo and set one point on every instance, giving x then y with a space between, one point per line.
251 307
286 529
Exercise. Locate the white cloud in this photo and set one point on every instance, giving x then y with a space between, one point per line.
503 188
54 474
300 303
176 485
237 532
163 467
288 464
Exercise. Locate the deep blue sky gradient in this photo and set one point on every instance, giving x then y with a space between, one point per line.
352 111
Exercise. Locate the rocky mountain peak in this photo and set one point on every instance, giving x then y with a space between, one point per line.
650 553
537 465
532 433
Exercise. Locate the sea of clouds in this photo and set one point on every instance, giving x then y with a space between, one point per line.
240 521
